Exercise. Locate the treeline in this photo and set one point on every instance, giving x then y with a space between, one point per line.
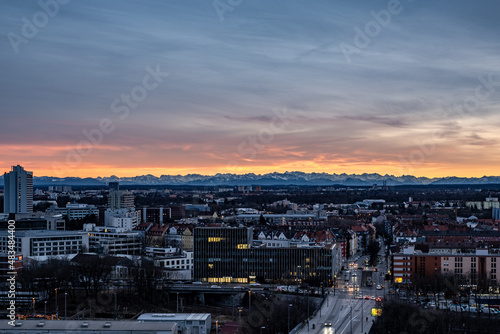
402 317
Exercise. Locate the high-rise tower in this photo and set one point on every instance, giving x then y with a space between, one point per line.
18 191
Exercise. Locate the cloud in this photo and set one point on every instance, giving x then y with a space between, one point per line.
227 77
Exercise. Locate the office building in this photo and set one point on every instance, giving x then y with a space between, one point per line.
112 240
18 191
45 243
227 255
80 211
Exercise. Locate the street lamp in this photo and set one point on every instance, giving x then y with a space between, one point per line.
65 314
249 301
289 305
57 309
308 309
33 305
351 317
216 326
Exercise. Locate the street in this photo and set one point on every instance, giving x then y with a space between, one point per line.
349 311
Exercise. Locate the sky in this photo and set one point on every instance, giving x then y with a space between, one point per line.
100 88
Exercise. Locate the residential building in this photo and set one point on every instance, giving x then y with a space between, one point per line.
18 191
477 267
156 215
120 199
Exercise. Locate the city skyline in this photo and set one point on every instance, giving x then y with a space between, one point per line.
126 89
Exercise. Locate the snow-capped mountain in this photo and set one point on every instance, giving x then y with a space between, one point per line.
287 178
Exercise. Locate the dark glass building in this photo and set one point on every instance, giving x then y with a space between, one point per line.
226 255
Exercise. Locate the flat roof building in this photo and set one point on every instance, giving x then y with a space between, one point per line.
86 326
194 323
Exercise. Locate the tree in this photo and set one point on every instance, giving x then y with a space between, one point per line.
262 220
93 272
373 249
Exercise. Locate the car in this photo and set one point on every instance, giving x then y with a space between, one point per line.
254 284
197 282
367 297
328 324
215 287
379 287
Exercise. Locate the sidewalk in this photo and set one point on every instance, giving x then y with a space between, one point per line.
326 309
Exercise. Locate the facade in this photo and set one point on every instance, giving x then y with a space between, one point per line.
477 267
120 199
183 260
86 326
156 215
112 240
227 255
122 218
45 243
80 211
194 323
18 191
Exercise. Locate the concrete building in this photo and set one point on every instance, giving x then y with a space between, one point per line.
477 267
120 199
122 218
45 243
87 326
112 240
227 255
18 191
156 215
193 323
80 211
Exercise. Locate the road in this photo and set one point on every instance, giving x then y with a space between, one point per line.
346 313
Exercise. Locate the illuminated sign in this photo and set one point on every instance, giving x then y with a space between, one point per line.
376 312
398 280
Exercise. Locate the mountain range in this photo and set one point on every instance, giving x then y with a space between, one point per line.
287 178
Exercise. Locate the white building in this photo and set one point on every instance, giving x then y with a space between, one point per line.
122 218
18 191
112 240
187 322
42 243
79 211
